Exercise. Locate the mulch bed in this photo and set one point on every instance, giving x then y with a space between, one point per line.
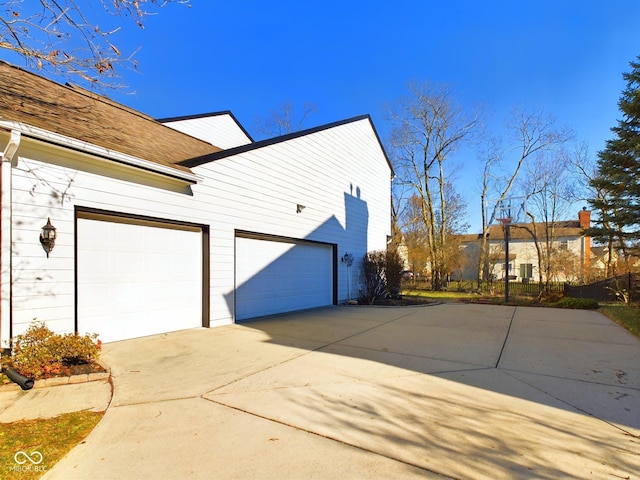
86 368
402 302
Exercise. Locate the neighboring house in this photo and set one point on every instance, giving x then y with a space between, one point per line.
617 263
572 251
184 223
600 258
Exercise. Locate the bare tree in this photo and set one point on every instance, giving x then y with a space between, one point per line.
547 186
568 264
414 235
428 126
528 133
584 166
399 203
65 38
287 119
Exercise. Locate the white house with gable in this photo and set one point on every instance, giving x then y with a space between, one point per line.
175 224
570 251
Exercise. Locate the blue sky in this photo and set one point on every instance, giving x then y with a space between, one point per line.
353 57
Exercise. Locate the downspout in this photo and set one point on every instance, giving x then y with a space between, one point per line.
7 162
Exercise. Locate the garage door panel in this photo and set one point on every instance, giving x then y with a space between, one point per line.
278 276
132 283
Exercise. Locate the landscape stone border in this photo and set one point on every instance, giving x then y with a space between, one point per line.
55 381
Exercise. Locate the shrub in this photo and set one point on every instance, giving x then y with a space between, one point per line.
393 269
382 275
548 296
40 353
581 303
375 282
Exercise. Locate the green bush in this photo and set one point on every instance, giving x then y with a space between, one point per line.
40 353
581 303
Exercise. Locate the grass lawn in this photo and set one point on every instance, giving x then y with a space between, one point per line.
627 316
52 438
450 296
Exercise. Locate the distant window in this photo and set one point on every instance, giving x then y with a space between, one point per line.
506 266
526 270
564 244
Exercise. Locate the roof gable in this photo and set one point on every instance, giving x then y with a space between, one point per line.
83 115
197 161
219 128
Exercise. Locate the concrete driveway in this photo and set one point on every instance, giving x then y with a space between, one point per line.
445 391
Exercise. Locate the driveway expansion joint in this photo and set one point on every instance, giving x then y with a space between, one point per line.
333 439
484 423
309 351
577 408
506 337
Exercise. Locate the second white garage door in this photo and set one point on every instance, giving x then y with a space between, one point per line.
136 280
275 276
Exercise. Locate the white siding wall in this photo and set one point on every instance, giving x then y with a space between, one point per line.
525 252
219 130
340 175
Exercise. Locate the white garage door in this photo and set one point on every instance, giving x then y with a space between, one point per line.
136 280
281 276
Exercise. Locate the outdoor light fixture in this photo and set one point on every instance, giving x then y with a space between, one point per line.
348 259
48 237
299 208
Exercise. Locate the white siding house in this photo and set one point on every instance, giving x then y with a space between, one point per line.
571 251
160 229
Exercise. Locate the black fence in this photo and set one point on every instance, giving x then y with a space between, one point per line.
622 288
496 287
625 288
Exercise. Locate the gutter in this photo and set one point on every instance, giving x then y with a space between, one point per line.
95 150
8 161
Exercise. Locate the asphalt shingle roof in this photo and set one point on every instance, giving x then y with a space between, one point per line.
562 229
86 116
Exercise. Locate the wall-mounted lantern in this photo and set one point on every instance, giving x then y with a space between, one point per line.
348 259
48 237
299 208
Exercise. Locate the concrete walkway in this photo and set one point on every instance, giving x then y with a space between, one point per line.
447 391
48 401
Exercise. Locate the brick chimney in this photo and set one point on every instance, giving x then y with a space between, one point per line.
584 219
